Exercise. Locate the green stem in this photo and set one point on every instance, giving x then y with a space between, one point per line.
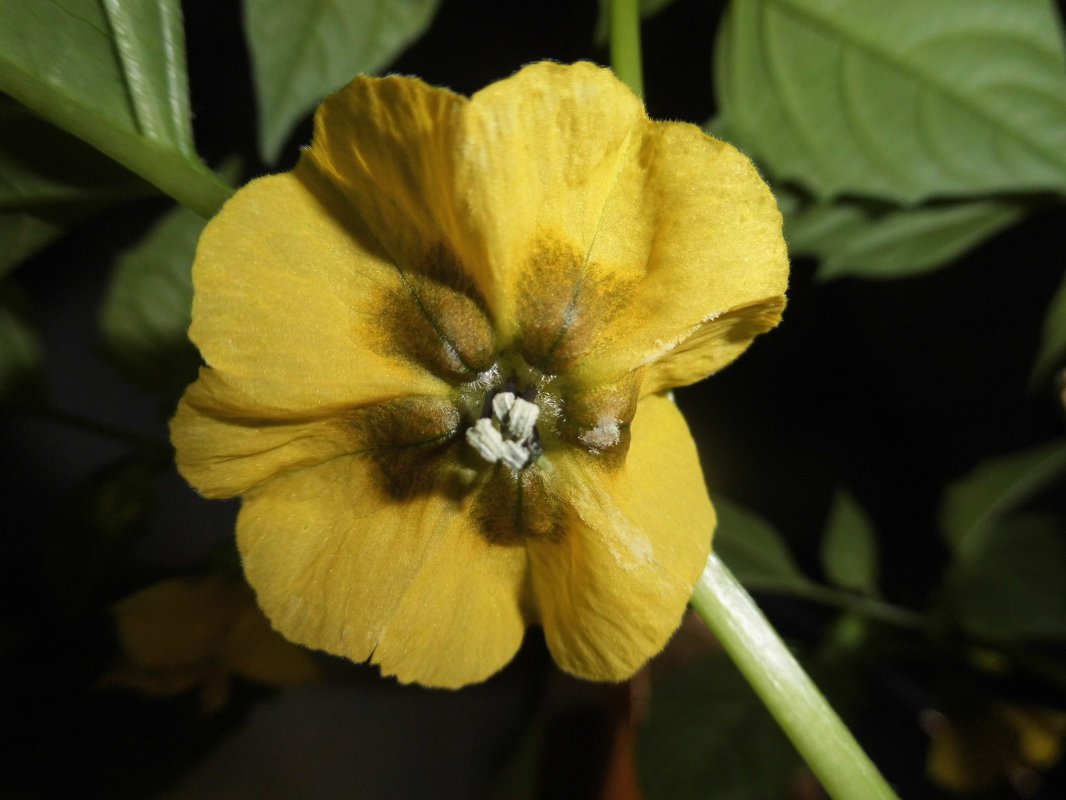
184 178
795 702
625 44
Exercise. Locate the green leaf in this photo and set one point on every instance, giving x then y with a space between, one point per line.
1015 588
904 100
881 240
146 312
973 505
708 735
303 50
150 42
49 181
68 46
1052 355
125 57
754 551
849 548
113 74
24 234
20 351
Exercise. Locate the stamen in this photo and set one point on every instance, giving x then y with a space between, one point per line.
501 405
515 455
522 419
509 434
485 438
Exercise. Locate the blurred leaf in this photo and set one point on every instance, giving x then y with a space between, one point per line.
1015 587
849 549
1052 354
880 240
49 181
112 73
23 234
754 551
117 499
303 50
648 8
146 314
905 100
93 534
975 503
708 735
20 351
718 127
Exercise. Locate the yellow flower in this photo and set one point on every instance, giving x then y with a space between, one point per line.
200 632
437 353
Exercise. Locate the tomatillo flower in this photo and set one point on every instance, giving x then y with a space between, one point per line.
437 355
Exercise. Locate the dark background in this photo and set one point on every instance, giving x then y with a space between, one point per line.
891 389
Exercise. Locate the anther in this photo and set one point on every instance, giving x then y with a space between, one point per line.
507 431
521 419
485 438
501 405
514 455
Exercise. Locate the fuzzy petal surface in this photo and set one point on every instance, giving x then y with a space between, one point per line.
613 590
690 242
284 308
389 145
461 618
539 155
617 243
340 564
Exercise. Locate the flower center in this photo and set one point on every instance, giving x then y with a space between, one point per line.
507 431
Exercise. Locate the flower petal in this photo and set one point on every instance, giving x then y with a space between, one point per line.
389 145
178 622
538 157
689 234
342 563
257 652
224 451
461 618
288 308
612 591
712 345
226 445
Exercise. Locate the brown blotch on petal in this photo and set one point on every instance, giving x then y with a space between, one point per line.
513 506
547 302
437 319
409 441
449 296
564 304
404 421
597 420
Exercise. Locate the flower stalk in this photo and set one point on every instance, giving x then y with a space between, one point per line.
625 44
800 709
